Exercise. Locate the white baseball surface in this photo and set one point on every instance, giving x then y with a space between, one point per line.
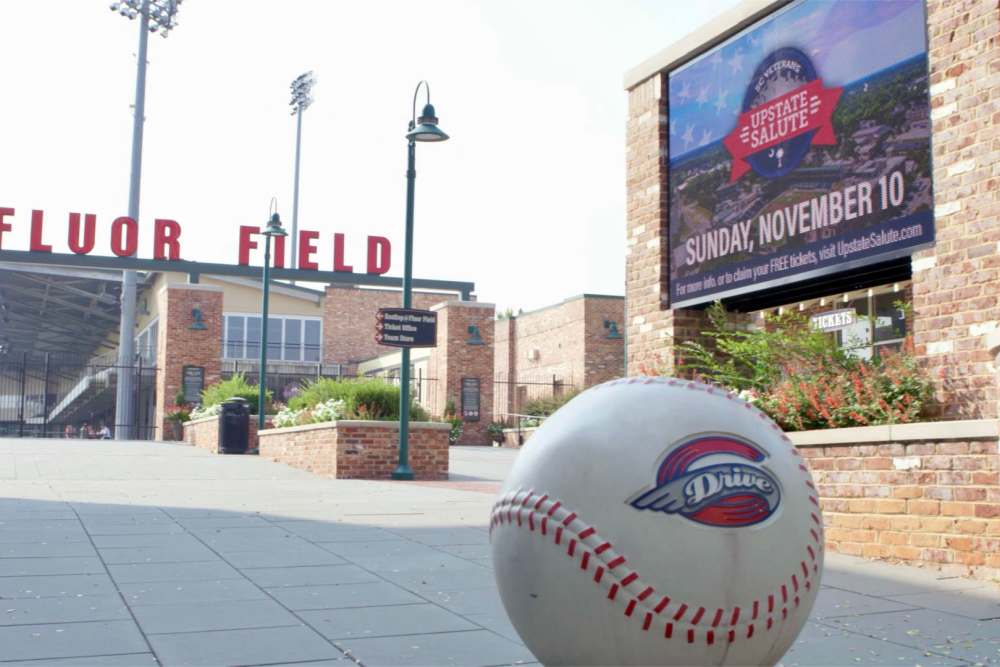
626 534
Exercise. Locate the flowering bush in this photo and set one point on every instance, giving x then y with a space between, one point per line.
802 379
201 412
891 390
327 411
286 417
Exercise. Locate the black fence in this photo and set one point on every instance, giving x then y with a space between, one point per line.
283 378
57 395
513 395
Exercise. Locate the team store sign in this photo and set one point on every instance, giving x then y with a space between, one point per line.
81 235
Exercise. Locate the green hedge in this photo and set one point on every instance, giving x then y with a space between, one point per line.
543 407
363 399
235 387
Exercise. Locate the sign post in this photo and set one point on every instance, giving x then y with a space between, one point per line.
426 130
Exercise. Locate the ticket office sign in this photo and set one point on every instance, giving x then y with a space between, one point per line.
406 327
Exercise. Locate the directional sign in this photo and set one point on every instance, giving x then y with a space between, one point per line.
402 327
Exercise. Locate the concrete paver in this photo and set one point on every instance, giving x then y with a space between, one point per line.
122 553
408 619
258 646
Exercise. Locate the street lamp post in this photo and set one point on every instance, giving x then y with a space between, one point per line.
154 16
273 229
301 99
423 128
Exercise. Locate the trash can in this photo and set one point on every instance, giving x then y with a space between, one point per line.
234 426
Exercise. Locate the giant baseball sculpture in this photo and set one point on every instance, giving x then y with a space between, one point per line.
654 521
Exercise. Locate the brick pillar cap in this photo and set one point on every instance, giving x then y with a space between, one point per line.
456 303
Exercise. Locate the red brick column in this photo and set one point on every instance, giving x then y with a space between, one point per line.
456 358
179 345
956 284
652 326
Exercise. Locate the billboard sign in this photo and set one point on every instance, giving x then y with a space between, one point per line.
800 147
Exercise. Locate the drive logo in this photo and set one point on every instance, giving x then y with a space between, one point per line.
786 110
715 480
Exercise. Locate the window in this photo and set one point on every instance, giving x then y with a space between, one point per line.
253 338
234 337
312 341
145 343
274 339
288 338
879 321
293 340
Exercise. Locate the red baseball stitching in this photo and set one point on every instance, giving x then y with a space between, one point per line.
594 548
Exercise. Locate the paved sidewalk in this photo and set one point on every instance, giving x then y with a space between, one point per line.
133 553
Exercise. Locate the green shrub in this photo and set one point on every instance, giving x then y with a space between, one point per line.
543 407
235 387
374 399
802 379
319 391
457 427
178 414
363 399
495 431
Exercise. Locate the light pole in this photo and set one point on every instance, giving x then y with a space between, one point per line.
273 229
423 128
154 16
301 99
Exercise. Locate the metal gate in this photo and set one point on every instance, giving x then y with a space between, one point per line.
57 395
513 394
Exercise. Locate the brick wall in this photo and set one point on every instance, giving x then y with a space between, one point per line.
566 341
455 358
358 449
505 358
603 358
204 434
956 300
179 345
955 283
926 494
349 320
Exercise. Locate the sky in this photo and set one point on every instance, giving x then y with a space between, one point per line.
527 199
845 41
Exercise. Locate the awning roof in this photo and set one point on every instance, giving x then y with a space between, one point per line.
58 309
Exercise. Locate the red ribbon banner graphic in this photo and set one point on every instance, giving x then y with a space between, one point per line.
806 108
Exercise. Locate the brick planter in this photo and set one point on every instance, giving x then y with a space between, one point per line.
358 449
204 433
517 437
926 494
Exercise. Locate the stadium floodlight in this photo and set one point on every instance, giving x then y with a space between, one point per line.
161 14
301 99
155 16
302 92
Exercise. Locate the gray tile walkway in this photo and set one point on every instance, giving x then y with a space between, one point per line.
129 553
